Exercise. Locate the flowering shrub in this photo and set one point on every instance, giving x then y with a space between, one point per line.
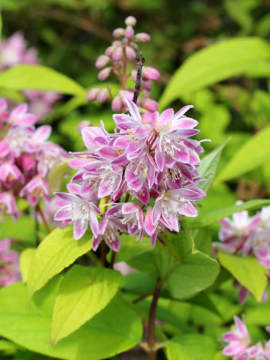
107 253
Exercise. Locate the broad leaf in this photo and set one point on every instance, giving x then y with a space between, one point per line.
26 259
191 347
38 77
114 330
27 226
83 293
247 271
215 63
196 273
217 215
208 167
57 174
131 247
252 154
57 251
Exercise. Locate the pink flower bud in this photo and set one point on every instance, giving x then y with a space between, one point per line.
109 51
103 74
116 43
131 54
142 37
150 73
134 75
117 53
126 94
92 93
130 21
117 103
117 33
102 95
129 32
150 105
146 85
102 60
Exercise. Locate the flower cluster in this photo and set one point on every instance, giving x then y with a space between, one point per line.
150 159
247 235
14 52
240 346
9 264
117 59
26 157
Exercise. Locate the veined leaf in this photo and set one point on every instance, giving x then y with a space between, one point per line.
215 63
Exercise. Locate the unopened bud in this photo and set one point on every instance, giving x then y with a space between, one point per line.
134 75
92 93
117 103
124 94
102 95
150 73
83 124
103 74
109 51
117 53
146 85
102 61
142 37
117 33
130 21
129 32
131 54
150 105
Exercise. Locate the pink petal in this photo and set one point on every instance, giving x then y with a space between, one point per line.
133 109
79 228
65 213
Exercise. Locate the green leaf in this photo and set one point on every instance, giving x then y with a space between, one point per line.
57 251
215 63
57 174
252 154
38 77
26 259
114 330
191 347
131 247
83 293
247 271
26 224
217 215
208 167
258 315
196 273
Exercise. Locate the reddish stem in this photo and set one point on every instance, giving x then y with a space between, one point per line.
43 219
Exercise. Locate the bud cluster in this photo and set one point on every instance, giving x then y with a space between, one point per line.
26 158
120 58
247 235
14 51
146 171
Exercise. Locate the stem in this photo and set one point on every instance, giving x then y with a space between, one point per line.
43 219
36 228
112 259
151 354
103 253
124 75
142 297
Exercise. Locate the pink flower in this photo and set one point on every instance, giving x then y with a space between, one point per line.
9 264
238 340
8 205
10 174
78 210
35 190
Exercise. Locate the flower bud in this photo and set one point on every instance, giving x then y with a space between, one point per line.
124 94
134 75
150 105
116 43
130 53
117 33
117 103
103 74
146 85
117 53
129 32
92 93
142 37
109 51
130 21
150 73
102 61
102 95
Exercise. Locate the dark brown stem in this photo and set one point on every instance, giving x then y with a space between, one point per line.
112 259
142 297
124 75
36 227
151 353
43 219
103 253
